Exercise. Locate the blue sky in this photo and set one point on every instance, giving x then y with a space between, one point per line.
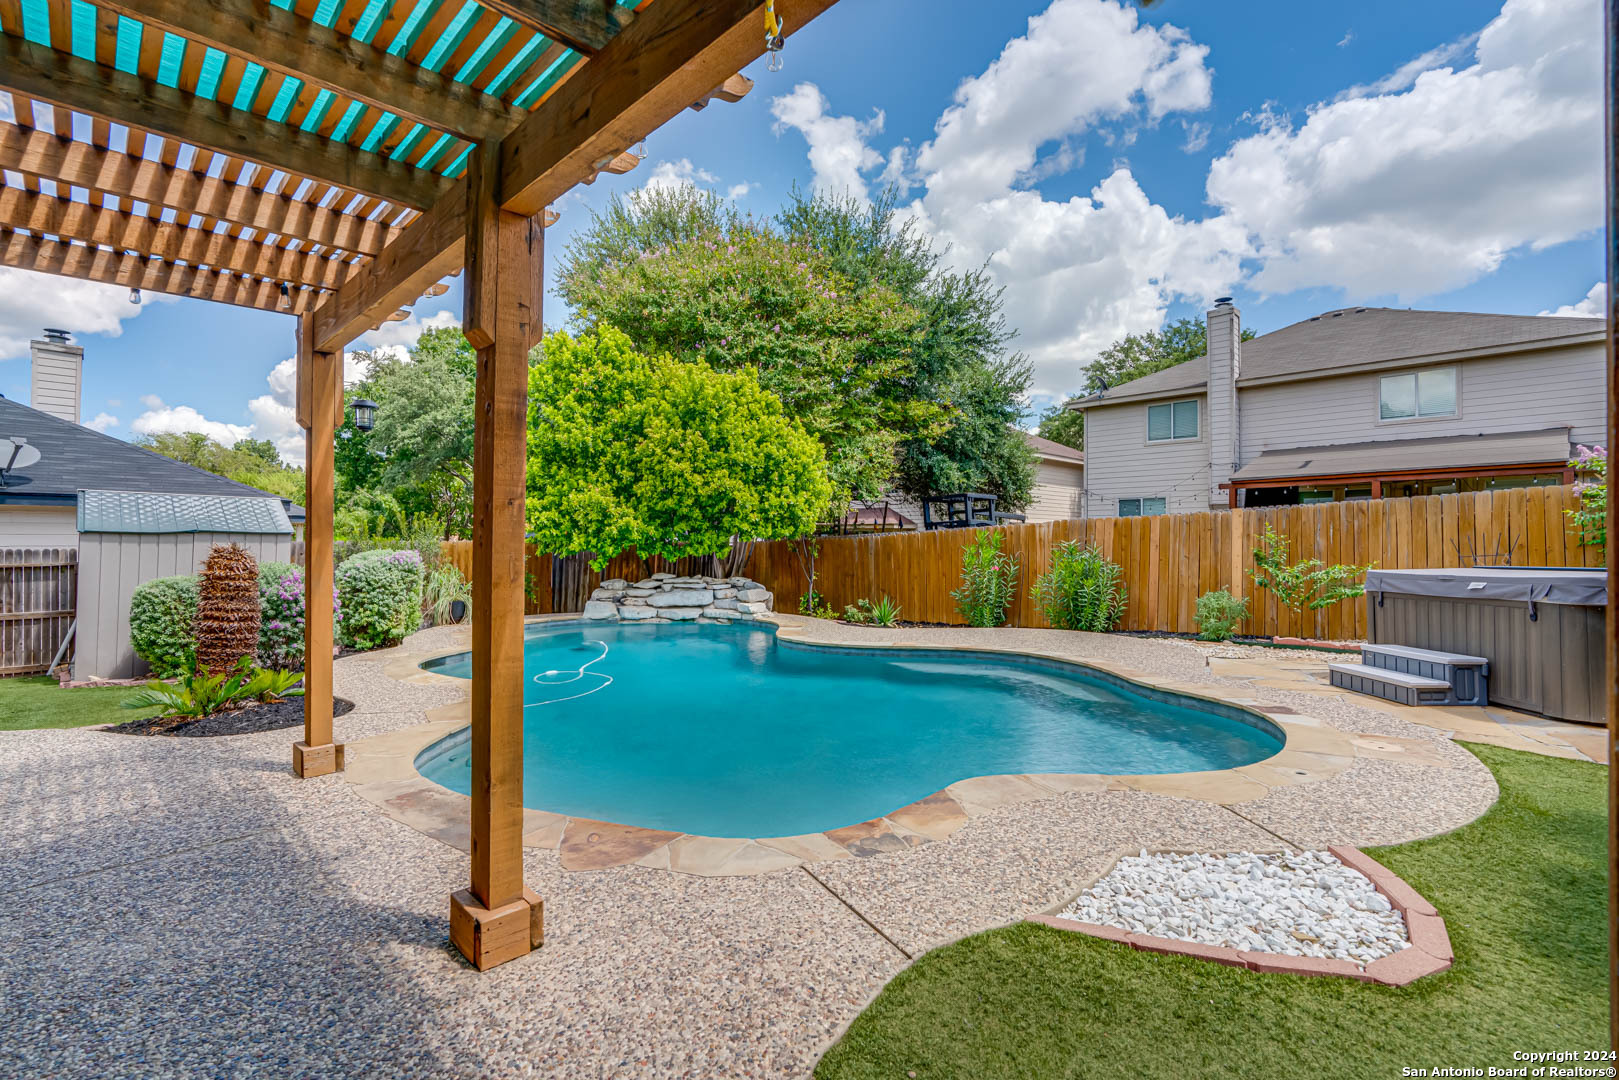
1114 168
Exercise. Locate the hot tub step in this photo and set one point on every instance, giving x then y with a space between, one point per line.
1467 676
1400 686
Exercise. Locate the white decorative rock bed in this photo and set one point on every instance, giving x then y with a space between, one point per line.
670 598
1296 903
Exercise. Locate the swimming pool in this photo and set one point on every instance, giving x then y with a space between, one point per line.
726 731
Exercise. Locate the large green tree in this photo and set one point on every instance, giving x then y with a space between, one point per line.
673 459
897 365
254 462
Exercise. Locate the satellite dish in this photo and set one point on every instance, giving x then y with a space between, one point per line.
15 453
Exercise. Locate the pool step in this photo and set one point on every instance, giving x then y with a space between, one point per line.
1392 685
1468 676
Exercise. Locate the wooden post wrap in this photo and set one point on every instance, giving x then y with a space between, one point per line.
320 410
497 919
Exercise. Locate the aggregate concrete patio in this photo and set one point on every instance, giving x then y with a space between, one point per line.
186 907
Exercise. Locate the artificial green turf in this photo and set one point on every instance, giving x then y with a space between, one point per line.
1522 891
38 702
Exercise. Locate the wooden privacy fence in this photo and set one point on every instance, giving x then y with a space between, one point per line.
38 595
1171 560
1168 560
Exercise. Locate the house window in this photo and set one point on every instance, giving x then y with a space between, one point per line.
1174 420
1141 507
1417 394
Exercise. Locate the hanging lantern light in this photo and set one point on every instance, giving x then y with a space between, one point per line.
365 414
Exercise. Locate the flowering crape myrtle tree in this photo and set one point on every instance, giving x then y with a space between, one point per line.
673 459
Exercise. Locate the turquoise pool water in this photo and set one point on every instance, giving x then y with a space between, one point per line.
722 731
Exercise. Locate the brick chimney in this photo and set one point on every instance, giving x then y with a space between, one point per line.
1225 366
58 370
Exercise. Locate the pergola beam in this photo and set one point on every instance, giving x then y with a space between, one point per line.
42 155
426 250
170 241
302 49
149 275
671 56
584 25
119 97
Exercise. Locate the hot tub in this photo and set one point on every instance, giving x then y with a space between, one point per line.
1540 628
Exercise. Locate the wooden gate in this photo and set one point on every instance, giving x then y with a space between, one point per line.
38 596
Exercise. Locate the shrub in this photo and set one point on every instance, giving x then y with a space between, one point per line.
1309 584
161 614
281 615
445 586
227 625
1082 590
988 581
381 596
1218 614
198 693
1589 519
883 613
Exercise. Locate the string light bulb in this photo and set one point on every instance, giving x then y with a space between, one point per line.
286 297
134 296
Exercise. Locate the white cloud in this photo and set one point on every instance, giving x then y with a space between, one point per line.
1427 189
1406 74
838 153
1349 35
739 191
1082 271
673 174
102 422
159 418
392 339
31 301
1197 136
1593 305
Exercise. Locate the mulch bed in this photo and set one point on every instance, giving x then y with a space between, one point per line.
286 713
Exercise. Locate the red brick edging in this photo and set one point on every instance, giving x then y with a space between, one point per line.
1428 954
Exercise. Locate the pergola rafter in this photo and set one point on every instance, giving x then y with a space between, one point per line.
338 162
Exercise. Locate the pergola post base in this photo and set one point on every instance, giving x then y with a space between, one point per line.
310 761
488 938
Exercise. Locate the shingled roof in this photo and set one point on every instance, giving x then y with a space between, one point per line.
1336 342
74 457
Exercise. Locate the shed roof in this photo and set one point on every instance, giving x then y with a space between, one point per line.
1350 338
162 512
1053 451
1407 455
74 458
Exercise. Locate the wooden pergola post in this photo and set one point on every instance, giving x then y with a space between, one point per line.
1611 650
320 412
497 919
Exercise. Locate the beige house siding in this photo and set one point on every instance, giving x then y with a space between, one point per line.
1121 464
112 564
39 526
1056 492
1546 388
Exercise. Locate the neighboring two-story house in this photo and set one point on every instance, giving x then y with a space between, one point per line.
1360 403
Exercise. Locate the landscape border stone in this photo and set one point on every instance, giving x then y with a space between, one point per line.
1428 954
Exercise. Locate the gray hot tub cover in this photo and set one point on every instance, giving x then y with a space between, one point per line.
1552 585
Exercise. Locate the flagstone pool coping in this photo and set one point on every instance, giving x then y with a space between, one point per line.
382 770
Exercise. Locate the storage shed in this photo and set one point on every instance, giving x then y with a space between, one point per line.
128 537
1540 628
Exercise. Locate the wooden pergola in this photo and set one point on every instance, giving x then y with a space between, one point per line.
336 160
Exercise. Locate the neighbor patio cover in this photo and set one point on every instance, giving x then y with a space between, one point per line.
1408 455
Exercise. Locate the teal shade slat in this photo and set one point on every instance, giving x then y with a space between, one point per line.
492 43
84 30
36 22
413 26
317 112
252 77
285 98
559 68
452 37
168 65
345 126
459 163
127 55
517 65
433 152
379 131
370 19
213 66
